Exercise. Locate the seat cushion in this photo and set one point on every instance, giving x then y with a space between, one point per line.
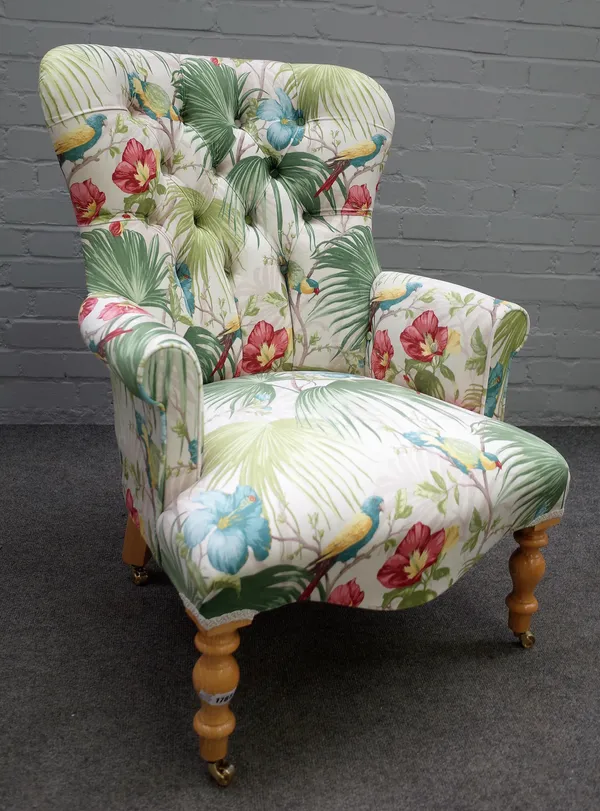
335 487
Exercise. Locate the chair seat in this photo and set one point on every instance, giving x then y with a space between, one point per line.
336 487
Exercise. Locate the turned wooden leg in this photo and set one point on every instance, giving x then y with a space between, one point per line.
136 553
527 566
215 678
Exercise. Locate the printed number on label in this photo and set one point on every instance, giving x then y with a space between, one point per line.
216 699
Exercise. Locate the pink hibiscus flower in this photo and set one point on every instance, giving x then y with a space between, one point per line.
135 516
381 354
418 551
265 345
116 308
358 201
424 338
86 308
136 169
87 201
117 227
349 594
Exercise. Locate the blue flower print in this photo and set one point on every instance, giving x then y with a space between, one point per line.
193 451
288 126
230 523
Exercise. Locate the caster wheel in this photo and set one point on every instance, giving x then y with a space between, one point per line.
222 772
527 639
140 575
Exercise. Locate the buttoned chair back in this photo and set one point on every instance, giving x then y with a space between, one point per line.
210 192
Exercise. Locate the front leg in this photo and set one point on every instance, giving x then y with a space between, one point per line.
527 567
215 678
136 552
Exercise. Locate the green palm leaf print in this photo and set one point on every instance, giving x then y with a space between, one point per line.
349 97
210 233
350 406
208 348
510 335
126 267
69 77
213 98
346 292
534 472
263 455
270 588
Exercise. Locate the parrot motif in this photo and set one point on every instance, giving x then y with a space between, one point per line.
463 455
152 454
357 156
72 145
347 543
386 299
151 98
185 280
298 281
494 387
233 330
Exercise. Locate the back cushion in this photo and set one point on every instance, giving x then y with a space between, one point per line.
231 198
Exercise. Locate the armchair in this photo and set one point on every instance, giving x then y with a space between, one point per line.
293 423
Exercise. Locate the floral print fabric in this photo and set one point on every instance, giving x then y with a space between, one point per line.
225 207
444 340
349 490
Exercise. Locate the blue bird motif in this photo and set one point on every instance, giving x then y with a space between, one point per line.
72 145
185 280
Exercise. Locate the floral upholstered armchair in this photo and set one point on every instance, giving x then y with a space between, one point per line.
293 423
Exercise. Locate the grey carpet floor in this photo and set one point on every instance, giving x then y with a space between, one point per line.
431 708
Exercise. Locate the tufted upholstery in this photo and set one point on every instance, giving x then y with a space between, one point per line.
225 193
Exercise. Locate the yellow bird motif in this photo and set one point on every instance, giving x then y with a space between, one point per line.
347 543
72 145
357 155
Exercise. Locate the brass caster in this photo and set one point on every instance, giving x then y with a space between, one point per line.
222 772
527 639
139 575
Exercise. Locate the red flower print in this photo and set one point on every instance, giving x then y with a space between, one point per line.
137 168
87 201
114 309
382 354
135 516
215 61
116 228
424 338
358 201
418 551
264 346
349 594
86 308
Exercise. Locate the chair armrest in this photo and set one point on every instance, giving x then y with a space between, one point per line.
134 343
444 340
157 388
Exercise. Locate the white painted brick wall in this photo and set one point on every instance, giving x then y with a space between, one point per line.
493 180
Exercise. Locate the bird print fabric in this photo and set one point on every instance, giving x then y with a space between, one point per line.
293 422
